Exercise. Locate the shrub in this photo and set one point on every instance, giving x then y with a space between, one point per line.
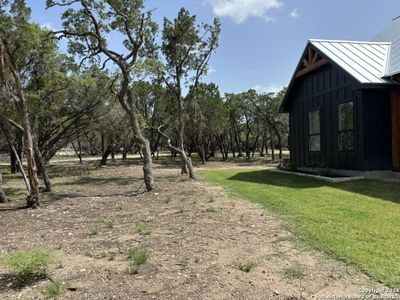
28 264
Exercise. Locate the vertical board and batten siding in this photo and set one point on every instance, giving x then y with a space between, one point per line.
325 89
377 129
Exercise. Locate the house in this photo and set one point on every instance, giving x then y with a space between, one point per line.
344 104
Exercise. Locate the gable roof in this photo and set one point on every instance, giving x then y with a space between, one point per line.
371 63
392 34
365 61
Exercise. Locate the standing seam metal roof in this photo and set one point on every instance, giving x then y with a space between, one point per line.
392 34
365 61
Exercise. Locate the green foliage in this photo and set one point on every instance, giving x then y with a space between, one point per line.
109 222
210 210
54 290
342 219
293 273
137 257
142 229
93 230
28 264
247 266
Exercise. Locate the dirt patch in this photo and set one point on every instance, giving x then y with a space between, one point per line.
198 239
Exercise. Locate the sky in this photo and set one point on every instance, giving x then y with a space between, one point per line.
262 40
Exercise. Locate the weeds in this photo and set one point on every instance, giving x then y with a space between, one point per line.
293 273
53 290
168 199
26 265
247 266
137 257
142 229
210 210
110 222
93 230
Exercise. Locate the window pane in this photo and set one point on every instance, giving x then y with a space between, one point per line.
313 117
346 141
346 116
315 142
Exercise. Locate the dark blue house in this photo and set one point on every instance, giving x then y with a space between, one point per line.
344 104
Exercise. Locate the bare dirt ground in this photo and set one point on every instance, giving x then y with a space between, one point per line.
199 237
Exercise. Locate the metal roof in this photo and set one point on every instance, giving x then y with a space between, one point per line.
365 61
392 34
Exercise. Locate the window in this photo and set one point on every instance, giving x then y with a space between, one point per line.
314 131
346 126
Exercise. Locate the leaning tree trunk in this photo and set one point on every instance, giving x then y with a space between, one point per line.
144 142
42 167
15 91
33 197
3 198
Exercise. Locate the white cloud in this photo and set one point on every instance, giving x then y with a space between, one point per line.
211 70
270 88
294 13
48 26
241 10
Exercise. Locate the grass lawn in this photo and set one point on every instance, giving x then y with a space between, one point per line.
357 222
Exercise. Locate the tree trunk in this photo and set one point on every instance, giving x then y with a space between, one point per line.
3 198
105 155
77 151
146 150
272 144
279 141
42 166
124 153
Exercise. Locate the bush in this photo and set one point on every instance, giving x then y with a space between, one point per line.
28 264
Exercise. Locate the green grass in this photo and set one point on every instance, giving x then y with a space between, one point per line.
25 265
357 222
53 290
210 210
293 273
109 222
142 229
93 230
137 257
247 266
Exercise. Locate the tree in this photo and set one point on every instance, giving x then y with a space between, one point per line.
207 122
86 25
3 198
187 48
19 41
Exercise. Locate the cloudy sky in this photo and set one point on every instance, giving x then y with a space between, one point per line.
261 40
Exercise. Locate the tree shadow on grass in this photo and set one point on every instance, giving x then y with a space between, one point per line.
388 191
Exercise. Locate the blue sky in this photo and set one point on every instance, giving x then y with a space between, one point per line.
261 40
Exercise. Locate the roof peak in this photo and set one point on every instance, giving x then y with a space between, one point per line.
347 41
